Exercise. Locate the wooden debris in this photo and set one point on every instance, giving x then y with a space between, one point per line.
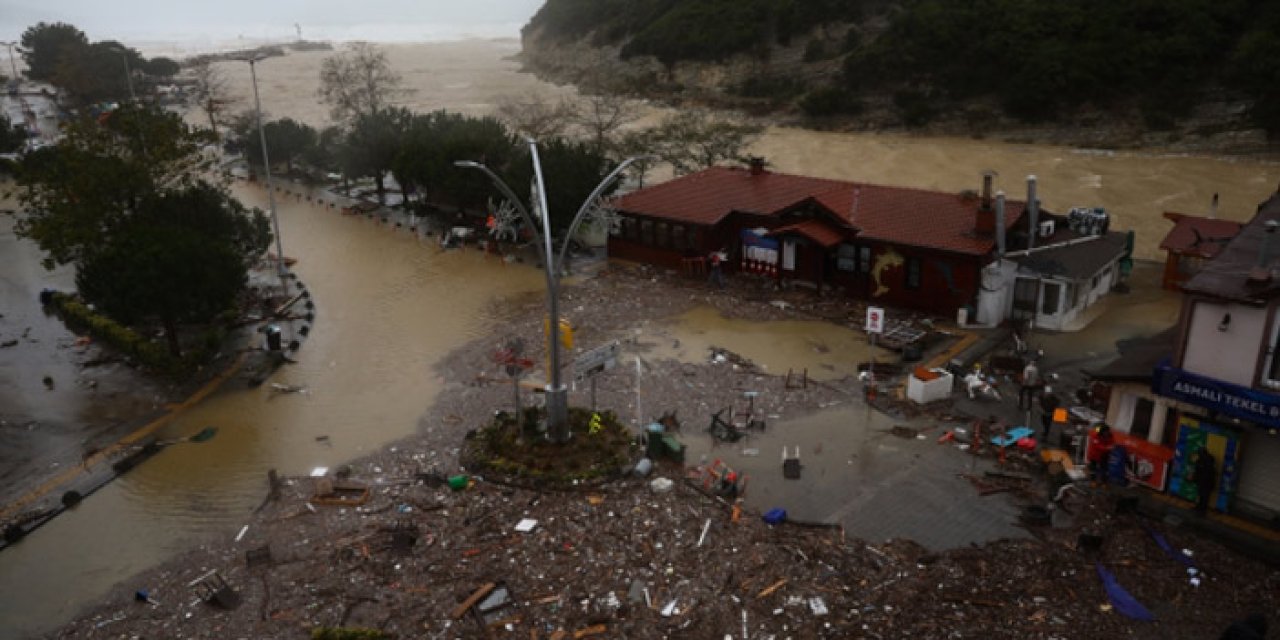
771 588
471 600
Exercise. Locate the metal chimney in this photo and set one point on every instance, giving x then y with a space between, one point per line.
1033 212
1213 207
986 188
999 224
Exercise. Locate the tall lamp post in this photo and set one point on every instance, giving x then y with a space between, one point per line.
266 167
557 394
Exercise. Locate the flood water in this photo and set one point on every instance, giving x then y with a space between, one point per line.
389 306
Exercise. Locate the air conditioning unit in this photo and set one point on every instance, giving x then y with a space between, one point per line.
1046 229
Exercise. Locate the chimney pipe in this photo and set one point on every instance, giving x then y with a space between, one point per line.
1261 272
757 165
1033 212
999 224
986 188
1213 208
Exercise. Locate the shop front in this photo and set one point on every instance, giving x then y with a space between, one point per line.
1239 433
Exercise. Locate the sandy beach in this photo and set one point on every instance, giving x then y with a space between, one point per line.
473 76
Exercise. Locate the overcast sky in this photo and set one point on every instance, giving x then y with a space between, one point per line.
164 19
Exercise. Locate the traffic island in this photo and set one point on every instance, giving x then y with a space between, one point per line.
518 452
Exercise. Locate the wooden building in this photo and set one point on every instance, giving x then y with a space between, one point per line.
896 246
1193 241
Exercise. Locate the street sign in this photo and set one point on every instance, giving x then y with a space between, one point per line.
875 320
596 360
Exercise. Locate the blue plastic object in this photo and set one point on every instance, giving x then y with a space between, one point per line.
1013 436
775 516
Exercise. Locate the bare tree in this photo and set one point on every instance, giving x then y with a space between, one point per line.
692 140
358 82
600 117
536 115
210 90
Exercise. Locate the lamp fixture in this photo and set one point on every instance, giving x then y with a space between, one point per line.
1226 322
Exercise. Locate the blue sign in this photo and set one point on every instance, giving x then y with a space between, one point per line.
1225 398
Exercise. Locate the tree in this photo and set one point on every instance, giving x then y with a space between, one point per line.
182 256
536 115
691 140
287 140
600 116
97 72
44 45
358 82
12 136
127 202
209 91
436 140
373 143
161 67
571 170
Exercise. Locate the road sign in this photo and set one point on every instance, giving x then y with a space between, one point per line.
596 360
875 320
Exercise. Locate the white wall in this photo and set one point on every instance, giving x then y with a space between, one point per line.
995 296
1230 355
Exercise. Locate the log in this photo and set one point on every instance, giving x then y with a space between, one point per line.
593 630
771 588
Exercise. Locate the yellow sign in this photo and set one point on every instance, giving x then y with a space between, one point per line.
566 331
596 424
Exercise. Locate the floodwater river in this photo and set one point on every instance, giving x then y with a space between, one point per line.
390 305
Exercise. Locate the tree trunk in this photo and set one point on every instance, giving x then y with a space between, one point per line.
171 332
213 122
382 191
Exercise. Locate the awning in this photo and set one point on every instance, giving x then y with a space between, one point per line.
1259 407
814 230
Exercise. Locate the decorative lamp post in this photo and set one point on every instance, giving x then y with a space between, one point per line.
556 393
266 167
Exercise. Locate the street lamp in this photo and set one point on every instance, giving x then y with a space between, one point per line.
557 394
266 166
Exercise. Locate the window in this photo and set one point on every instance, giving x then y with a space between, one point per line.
1140 426
1272 372
1024 297
695 238
864 260
678 237
646 232
1049 304
664 235
629 228
1170 435
913 273
847 258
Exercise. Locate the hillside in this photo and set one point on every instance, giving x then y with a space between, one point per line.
1147 70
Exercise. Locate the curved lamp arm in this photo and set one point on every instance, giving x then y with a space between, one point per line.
586 204
506 192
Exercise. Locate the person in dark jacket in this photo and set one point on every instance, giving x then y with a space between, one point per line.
1205 476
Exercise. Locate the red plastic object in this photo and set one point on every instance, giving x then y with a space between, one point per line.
1026 444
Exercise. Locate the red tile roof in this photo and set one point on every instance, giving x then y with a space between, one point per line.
898 215
815 230
1198 235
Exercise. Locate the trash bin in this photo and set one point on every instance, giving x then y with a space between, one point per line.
654 447
274 338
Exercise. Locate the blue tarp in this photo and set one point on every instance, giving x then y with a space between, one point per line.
1124 603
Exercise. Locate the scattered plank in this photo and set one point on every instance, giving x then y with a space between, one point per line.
471 600
771 588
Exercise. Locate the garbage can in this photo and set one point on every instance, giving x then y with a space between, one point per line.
274 338
653 445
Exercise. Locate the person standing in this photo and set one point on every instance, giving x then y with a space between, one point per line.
1030 384
1100 443
1049 403
1205 477
717 270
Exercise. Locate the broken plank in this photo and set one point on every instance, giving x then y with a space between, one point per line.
771 588
558 635
471 600
593 630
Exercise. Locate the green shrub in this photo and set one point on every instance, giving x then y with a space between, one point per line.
830 101
347 633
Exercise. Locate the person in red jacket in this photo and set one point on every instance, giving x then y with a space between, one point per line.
1100 444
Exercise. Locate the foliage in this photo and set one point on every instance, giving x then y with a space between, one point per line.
537 116
161 67
287 140
372 144
506 447
45 44
1255 69
358 82
125 200
571 171
434 141
127 341
12 136
830 101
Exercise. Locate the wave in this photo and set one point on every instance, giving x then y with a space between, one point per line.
180 41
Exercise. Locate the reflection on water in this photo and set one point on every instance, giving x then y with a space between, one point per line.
389 306
828 351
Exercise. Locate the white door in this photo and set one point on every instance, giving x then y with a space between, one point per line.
788 255
1260 470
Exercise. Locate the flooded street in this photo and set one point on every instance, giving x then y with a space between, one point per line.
389 306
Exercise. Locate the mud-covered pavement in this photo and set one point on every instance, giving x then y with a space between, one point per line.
576 569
